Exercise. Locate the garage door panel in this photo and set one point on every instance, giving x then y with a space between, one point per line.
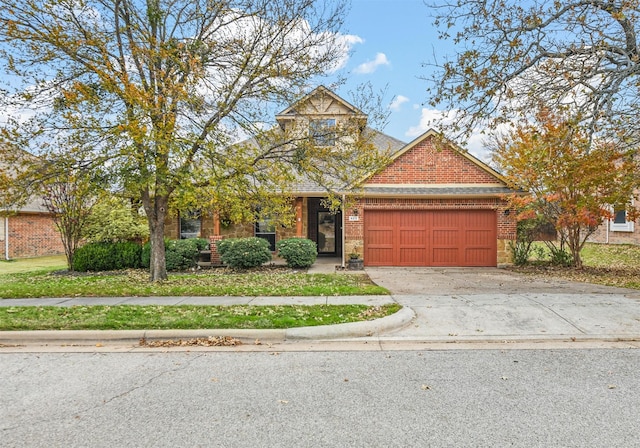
445 238
412 256
431 238
445 256
478 237
477 256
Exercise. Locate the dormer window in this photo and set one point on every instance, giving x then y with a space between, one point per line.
323 132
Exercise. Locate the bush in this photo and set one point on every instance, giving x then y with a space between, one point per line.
244 252
179 254
114 219
298 252
520 251
107 256
559 257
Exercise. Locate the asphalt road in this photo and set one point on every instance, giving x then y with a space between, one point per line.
492 398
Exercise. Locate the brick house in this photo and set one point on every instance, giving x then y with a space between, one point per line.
433 205
618 230
29 232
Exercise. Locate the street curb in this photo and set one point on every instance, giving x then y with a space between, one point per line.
323 332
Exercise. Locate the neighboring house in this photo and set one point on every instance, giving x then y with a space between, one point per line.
29 232
618 230
433 205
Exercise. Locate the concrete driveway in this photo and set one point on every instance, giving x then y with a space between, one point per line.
491 304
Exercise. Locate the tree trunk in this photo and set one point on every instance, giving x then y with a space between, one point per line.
156 213
575 246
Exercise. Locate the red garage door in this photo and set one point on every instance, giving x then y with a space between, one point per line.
430 238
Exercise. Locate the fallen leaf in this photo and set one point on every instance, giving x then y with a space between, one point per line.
211 341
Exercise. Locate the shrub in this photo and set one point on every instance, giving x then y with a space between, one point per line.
298 252
114 219
244 252
559 257
179 254
520 251
107 256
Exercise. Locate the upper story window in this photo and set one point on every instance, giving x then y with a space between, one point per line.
619 222
323 132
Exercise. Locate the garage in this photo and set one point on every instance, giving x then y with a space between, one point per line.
430 238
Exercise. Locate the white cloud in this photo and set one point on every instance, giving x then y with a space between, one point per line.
397 102
345 43
371 66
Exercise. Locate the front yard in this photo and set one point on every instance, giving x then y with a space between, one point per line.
216 282
611 265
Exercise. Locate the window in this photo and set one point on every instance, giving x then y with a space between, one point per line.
190 225
323 132
619 222
266 229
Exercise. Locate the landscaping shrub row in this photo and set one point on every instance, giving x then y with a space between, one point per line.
240 253
113 256
243 253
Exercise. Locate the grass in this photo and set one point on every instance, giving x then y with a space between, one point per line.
216 283
44 264
604 264
127 317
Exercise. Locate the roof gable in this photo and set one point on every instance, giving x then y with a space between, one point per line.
320 102
428 161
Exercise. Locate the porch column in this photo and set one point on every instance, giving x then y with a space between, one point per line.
299 224
216 223
215 256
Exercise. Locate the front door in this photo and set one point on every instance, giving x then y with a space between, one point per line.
326 233
325 229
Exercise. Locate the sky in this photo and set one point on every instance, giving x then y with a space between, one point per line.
397 39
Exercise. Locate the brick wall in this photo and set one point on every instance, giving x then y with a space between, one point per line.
425 164
600 235
31 235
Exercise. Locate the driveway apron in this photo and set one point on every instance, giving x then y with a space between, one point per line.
467 304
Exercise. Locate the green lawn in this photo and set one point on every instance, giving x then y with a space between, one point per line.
46 278
217 282
50 263
127 317
604 264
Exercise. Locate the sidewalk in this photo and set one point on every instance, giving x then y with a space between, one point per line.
439 306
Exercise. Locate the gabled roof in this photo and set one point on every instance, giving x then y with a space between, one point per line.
437 190
293 111
435 134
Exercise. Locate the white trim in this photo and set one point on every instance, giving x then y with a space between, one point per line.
627 226
6 238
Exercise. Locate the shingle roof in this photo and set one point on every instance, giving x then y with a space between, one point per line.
383 143
407 190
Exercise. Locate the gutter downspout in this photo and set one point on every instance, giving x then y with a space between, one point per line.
344 229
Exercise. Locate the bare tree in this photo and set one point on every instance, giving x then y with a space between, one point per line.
513 55
69 200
